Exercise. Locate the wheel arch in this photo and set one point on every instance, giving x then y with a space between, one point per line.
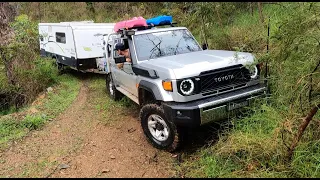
148 91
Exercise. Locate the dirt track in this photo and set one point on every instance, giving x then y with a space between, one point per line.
77 144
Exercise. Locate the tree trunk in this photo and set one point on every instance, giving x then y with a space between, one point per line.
203 27
310 90
7 14
219 17
251 8
39 12
260 12
204 32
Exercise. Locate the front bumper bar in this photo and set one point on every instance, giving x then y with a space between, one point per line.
214 108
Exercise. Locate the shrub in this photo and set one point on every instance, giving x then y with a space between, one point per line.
26 74
33 122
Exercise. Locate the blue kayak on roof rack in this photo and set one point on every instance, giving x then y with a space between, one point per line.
160 20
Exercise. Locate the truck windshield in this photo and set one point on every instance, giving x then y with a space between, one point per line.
164 43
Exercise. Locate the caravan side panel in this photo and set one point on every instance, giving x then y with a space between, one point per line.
43 40
57 39
89 41
57 42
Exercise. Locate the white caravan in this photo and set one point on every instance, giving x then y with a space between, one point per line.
75 44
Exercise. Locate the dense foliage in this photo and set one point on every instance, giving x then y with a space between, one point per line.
25 74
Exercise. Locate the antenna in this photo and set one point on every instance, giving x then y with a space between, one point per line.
39 13
203 28
266 73
268 35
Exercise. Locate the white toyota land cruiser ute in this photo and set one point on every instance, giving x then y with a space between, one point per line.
177 83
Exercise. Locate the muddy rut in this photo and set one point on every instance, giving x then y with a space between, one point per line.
77 144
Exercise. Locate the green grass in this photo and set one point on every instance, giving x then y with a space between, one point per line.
32 169
15 127
63 95
306 160
109 109
251 148
11 128
8 111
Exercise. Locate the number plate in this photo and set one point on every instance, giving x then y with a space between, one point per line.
236 105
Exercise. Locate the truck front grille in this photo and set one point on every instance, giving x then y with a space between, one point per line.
224 79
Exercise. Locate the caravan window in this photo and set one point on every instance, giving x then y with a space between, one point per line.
61 37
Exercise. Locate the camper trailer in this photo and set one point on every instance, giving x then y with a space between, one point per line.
77 45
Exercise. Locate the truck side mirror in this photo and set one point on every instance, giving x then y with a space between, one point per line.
204 46
119 59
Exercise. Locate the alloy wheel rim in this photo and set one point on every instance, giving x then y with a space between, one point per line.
158 127
110 87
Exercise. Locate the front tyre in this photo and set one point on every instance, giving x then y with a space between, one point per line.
160 132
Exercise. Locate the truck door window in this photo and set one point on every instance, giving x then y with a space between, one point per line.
126 67
115 53
60 37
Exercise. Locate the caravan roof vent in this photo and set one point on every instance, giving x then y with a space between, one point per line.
74 22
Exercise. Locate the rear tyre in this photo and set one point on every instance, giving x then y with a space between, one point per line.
60 66
160 132
113 93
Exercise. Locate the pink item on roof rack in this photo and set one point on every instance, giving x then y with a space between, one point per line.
134 22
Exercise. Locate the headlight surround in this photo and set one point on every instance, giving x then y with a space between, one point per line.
187 87
253 71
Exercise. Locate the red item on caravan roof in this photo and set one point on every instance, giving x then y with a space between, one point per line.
134 22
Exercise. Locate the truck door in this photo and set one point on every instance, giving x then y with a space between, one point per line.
125 76
113 67
107 50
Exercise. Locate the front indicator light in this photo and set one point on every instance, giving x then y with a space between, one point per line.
167 85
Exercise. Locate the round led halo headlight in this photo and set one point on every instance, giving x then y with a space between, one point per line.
253 70
187 86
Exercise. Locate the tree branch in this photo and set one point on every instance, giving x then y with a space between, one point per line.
301 130
310 90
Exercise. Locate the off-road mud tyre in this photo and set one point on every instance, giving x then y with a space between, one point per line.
112 92
174 139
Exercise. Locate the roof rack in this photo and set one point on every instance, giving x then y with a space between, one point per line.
142 24
130 31
91 21
139 28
